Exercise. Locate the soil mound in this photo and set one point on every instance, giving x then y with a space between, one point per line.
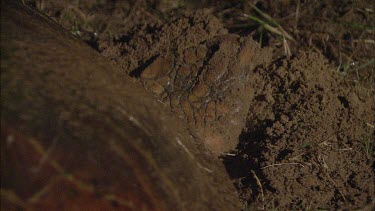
194 66
308 138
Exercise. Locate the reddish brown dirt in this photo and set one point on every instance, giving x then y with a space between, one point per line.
306 139
309 135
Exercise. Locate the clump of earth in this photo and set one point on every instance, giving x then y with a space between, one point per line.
292 131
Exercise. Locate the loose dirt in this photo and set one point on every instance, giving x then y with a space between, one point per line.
306 139
304 125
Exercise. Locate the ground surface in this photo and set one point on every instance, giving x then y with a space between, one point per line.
300 110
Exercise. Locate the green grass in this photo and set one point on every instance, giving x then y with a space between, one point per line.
347 67
368 147
359 26
267 23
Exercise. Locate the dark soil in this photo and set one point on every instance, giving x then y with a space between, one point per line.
303 120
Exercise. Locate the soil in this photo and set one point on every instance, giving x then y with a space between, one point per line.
295 127
306 135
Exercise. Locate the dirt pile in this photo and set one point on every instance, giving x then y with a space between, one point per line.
194 66
308 139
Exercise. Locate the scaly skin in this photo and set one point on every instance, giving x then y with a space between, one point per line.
198 70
